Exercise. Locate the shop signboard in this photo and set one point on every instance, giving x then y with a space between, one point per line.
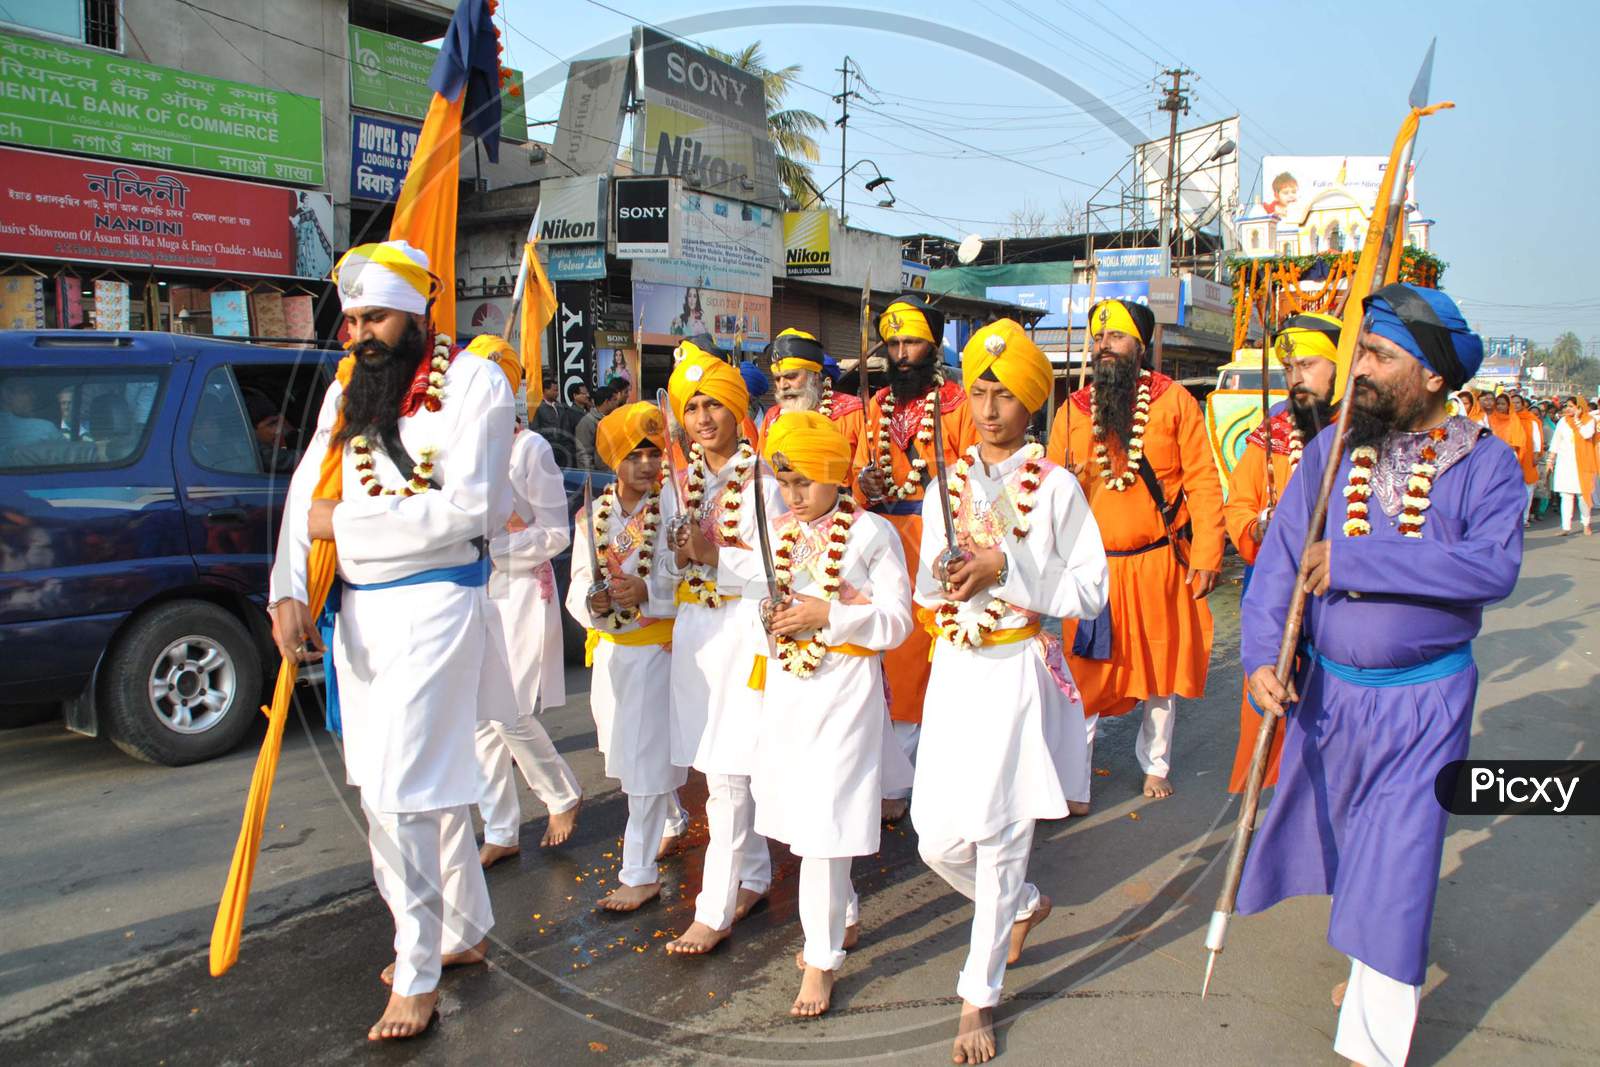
572 211
576 263
574 323
1130 264
646 224
589 133
669 313
81 100
807 247
913 275
1067 305
390 74
99 211
380 155
723 244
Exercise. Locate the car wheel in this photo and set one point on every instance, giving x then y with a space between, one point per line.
181 685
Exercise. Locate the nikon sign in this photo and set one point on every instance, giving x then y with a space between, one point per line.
572 211
807 248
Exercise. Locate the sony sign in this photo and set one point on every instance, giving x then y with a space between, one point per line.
575 329
673 69
572 210
646 224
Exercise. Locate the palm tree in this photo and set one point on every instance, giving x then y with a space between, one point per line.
789 128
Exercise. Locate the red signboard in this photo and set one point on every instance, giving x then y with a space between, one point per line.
105 211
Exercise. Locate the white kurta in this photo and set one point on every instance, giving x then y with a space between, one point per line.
1001 742
522 588
817 780
631 720
409 659
1564 447
715 715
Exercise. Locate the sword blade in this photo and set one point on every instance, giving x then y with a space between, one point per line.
762 536
944 479
664 406
597 577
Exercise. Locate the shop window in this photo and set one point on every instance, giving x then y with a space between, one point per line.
79 420
93 22
103 24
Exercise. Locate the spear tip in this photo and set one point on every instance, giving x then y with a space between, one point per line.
1211 962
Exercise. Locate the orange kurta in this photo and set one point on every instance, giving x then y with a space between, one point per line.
1247 496
906 667
1161 635
1514 431
846 415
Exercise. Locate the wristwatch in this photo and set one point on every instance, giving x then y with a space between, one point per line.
1005 568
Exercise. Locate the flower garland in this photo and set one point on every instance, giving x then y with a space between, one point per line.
1297 446
617 618
919 466
433 399
421 475
965 634
802 657
1419 486
1141 418
701 584
825 408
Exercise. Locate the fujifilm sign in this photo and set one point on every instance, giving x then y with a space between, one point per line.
572 210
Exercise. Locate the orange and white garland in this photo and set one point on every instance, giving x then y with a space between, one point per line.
421 475
973 633
433 399
825 408
702 584
1102 456
617 618
1414 502
1297 447
924 438
801 658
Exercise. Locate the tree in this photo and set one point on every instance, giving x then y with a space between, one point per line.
791 129
1031 220
1565 355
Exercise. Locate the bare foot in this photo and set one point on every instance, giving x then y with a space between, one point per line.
745 902
1156 787
974 1036
852 934
697 940
405 1016
816 992
1338 994
1021 930
630 897
1078 808
669 845
895 810
465 958
489 855
560 827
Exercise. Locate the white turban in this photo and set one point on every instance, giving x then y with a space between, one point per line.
390 274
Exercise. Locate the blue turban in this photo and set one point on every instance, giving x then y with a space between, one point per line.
1427 324
754 380
830 367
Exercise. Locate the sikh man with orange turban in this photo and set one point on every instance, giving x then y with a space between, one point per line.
896 464
1139 448
715 714
1001 742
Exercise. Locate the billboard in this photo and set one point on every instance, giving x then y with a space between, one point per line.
722 244
81 100
572 211
646 225
1067 305
1323 203
807 247
589 132
574 323
704 120
1502 359
1206 172
380 155
669 313
390 74
100 211
1131 264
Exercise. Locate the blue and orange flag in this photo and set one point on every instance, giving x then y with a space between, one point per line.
466 83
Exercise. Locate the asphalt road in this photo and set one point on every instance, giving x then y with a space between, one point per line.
110 872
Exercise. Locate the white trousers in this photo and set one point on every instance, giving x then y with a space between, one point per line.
1529 503
1153 747
427 870
1376 1018
736 856
1566 509
907 734
991 873
648 816
828 906
547 774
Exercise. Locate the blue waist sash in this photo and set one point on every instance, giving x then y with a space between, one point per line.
1443 666
897 507
471 574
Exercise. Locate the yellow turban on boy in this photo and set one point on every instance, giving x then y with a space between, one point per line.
1004 349
625 429
811 444
502 355
1310 333
901 319
700 372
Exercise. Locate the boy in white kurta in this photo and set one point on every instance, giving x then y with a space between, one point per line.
1002 742
629 622
523 671
843 599
410 633
715 714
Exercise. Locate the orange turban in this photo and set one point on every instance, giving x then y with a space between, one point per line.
502 355
1004 349
811 444
625 429
700 372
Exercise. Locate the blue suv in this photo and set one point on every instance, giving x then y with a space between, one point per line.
142 476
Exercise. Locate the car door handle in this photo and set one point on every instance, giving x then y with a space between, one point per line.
230 515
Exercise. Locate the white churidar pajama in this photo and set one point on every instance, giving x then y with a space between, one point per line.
823 740
632 723
1376 1019
408 659
983 780
905 736
525 670
715 714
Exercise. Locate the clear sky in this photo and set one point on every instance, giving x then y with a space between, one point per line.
967 141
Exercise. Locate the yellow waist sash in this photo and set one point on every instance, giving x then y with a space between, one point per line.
685 595
758 670
655 633
1009 636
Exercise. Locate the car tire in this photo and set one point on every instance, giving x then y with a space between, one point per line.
181 684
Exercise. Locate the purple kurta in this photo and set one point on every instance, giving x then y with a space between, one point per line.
1354 813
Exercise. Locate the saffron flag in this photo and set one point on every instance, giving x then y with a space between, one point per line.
466 95
538 308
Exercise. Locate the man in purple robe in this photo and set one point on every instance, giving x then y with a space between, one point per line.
1427 531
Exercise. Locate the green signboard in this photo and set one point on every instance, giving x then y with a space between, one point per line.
77 100
390 74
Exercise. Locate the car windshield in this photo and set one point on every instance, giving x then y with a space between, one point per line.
81 418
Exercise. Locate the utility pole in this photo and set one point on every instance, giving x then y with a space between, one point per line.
843 122
1173 100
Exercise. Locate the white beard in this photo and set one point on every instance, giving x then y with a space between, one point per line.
809 399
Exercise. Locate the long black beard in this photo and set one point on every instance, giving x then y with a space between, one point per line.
1311 417
914 381
1378 412
381 378
1115 382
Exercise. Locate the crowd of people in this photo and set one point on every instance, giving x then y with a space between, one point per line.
1555 443
797 609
